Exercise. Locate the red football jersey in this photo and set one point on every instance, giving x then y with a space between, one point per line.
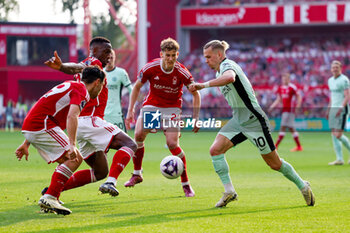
95 107
165 87
287 92
51 110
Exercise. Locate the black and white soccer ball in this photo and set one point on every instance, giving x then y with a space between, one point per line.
171 167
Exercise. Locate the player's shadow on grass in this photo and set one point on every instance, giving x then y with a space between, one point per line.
26 213
166 218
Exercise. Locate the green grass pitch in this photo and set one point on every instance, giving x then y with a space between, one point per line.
267 201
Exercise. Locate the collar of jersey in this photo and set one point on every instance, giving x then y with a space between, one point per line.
161 67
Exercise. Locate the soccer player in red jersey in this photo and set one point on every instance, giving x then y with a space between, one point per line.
43 127
95 136
285 94
166 77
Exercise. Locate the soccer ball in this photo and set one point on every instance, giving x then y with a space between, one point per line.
171 167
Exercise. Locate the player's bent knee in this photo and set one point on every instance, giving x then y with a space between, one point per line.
132 145
101 174
215 151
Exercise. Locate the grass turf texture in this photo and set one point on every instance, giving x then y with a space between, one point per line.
267 201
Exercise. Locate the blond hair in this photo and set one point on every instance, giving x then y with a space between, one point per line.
217 44
169 44
336 62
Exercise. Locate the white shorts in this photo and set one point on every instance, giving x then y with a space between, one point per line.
168 115
94 134
51 144
288 119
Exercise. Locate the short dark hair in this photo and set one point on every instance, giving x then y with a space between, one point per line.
91 73
99 40
169 44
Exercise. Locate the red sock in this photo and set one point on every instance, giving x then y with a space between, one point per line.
280 137
138 157
120 160
296 139
80 178
178 152
58 180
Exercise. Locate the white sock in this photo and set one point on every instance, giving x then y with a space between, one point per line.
111 180
137 172
229 188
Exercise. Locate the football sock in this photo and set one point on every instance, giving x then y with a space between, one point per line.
222 169
345 140
288 171
120 160
58 180
296 139
179 153
138 157
337 148
80 178
280 137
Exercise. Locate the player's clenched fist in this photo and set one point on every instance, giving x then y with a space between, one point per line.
196 86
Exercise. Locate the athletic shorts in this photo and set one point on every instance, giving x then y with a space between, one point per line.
257 131
94 134
167 118
118 121
288 119
51 144
337 122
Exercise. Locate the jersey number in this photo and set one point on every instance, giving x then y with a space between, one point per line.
58 89
259 142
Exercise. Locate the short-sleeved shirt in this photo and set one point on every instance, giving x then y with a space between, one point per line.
337 87
287 92
165 87
239 94
51 110
95 107
116 79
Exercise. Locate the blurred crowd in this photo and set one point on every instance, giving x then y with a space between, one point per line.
263 60
13 114
243 2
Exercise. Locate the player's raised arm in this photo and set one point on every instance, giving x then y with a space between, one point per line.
130 117
68 68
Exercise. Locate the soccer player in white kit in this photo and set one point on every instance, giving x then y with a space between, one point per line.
338 110
43 127
248 122
117 78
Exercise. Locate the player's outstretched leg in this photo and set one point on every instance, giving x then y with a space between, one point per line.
222 169
50 203
136 176
120 160
308 195
288 171
189 192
